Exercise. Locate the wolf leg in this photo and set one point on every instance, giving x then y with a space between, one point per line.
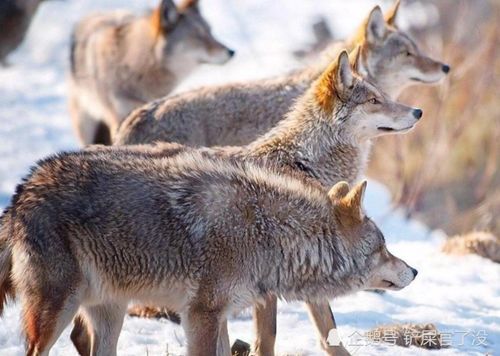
265 326
45 319
50 294
223 346
202 331
106 321
80 335
90 130
322 316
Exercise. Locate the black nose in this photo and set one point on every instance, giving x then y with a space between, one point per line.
231 52
417 113
415 272
446 68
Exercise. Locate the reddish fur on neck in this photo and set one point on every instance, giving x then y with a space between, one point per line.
325 92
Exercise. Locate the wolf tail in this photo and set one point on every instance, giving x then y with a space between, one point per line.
7 291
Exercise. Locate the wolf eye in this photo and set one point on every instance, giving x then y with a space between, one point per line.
374 101
408 54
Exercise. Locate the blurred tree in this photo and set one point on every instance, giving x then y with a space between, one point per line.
445 172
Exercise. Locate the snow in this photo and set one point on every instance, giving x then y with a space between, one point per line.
458 294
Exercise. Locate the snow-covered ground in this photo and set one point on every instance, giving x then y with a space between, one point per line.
461 295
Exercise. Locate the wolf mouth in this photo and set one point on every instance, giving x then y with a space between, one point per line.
423 81
390 129
392 285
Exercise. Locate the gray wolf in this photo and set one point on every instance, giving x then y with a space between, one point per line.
235 114
120 61
327 137
91 231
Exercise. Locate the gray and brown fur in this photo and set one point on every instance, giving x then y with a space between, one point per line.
91 231
120 61
15 20
235 114
325 138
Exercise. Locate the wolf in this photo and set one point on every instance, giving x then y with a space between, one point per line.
91 231
327 138
15 19
235 114
120 61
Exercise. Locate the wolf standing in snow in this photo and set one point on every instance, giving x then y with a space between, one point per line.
234 114
206 237
326 137
120 62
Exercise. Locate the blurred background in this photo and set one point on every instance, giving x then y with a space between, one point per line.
446 172
443 175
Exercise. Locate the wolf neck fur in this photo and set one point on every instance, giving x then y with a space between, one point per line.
141 55
320 260
316 143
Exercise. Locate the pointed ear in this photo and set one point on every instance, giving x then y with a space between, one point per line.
168 14
336 80
344 78
350 206
355 58
338 191
357 194
375 26
390 16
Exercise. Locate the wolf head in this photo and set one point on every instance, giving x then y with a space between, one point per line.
185 36
375 267
390 58
358 108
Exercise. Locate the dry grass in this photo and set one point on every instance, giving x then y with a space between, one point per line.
446 171
480 243
150 312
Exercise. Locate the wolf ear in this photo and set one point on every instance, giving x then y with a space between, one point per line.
350 206
355 58
334 80
338 191
168 14
375 26
344 78
390 16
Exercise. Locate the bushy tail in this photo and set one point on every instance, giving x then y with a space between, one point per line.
6 286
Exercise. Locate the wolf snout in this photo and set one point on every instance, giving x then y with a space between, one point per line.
417 113
231 52
445 68
414 271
